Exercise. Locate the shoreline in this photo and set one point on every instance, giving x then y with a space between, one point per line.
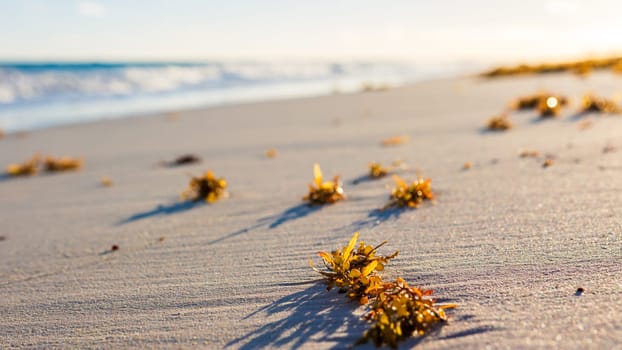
142 106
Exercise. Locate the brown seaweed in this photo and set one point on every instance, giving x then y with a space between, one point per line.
395 141
397 311
27 168
580 67
549 107
591 103
324 192
499 123
52 165
205 188
410 195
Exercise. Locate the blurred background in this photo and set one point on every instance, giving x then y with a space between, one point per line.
69 61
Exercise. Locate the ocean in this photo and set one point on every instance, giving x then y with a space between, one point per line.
44 94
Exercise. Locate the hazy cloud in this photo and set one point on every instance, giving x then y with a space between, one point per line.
91 9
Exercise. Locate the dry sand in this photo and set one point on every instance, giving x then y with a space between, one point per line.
508 240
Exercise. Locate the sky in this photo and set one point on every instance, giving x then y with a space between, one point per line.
423 30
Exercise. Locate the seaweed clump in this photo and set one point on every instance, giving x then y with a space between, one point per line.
499 123
324 192
27 168
377 171
397 311
549 107
591 103
400 311
353 270
106 181
580 67
533 101
410 195
52 165
206 187
394 141
271 153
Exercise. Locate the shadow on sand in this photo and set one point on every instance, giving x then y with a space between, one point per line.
377 217
4 177
361 179
294 213
168 209
312 315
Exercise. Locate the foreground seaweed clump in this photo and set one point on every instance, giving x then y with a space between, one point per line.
206 187
397 311
411 196
352 270
400 311
321 192
27 168
52 164
591 103
499 123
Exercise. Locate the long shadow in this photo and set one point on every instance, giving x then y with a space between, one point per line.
538 119
361 179
486 131
168 209
377 217
309 316
470 331
296 212
578 116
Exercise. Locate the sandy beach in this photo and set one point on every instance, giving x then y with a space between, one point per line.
508 240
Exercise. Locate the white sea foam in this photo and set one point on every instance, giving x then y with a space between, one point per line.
36 95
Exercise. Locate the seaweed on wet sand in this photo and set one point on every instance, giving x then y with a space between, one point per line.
206 187
530 153
410 195
106 181
499 123
580 67
400 311
548 162
352 269
377 171
534 100
593 103
324 192
271 153
27 168
395 141
395 310
52 164
549 107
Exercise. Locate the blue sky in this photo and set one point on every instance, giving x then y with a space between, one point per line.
440 30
